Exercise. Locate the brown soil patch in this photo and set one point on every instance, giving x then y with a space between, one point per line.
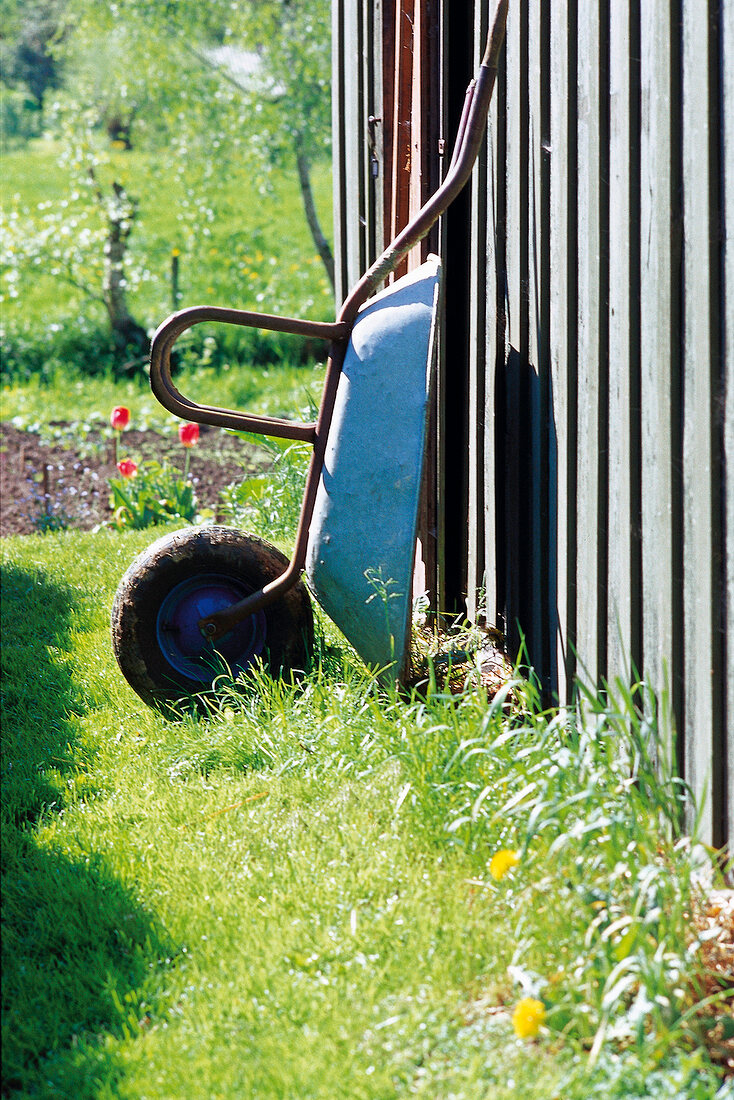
60 480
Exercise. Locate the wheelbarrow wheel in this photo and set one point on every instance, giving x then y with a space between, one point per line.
186 576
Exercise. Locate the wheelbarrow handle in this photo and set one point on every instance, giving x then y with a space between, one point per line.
468 142
172 399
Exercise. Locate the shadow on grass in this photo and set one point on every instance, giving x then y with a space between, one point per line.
76 946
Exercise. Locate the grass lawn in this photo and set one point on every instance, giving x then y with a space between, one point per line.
83 404
294 897
324 891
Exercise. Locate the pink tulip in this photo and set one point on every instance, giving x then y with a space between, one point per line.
188 434
127 467
120 418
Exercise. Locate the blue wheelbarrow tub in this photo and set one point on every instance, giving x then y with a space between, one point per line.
362 536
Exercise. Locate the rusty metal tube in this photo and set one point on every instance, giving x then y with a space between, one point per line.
465 110
172 399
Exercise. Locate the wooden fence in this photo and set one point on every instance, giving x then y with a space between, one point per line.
584 422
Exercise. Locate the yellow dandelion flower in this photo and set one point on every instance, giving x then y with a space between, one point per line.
528 1017
501 862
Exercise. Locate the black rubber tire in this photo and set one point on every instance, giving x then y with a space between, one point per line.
244 561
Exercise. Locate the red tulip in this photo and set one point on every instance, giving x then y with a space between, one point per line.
127 467
120 418
188 434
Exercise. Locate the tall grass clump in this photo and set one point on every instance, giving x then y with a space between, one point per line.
574 818
269 504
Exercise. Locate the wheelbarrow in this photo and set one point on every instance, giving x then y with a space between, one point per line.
204 599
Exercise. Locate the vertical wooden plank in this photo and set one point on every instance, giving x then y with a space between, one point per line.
660 353
453 370
563 315
589 325
634 415
727 137
354 88
548 459
621 152
539 375
426 576
370 16
602 516
416 124
516 307
424 135
338 109
624 612
354 140
536 605
494 325
700 354
424 119
350 142
431 111
479 436
439 409
401 122
385 30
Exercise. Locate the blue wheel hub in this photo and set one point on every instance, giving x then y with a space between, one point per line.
181 641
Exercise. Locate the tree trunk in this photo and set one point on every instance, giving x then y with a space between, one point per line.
304 178
120 217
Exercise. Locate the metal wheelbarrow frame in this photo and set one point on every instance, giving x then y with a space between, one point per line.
355 312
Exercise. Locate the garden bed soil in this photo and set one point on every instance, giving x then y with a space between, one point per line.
60 479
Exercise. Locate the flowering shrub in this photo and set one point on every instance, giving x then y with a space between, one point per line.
150 493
